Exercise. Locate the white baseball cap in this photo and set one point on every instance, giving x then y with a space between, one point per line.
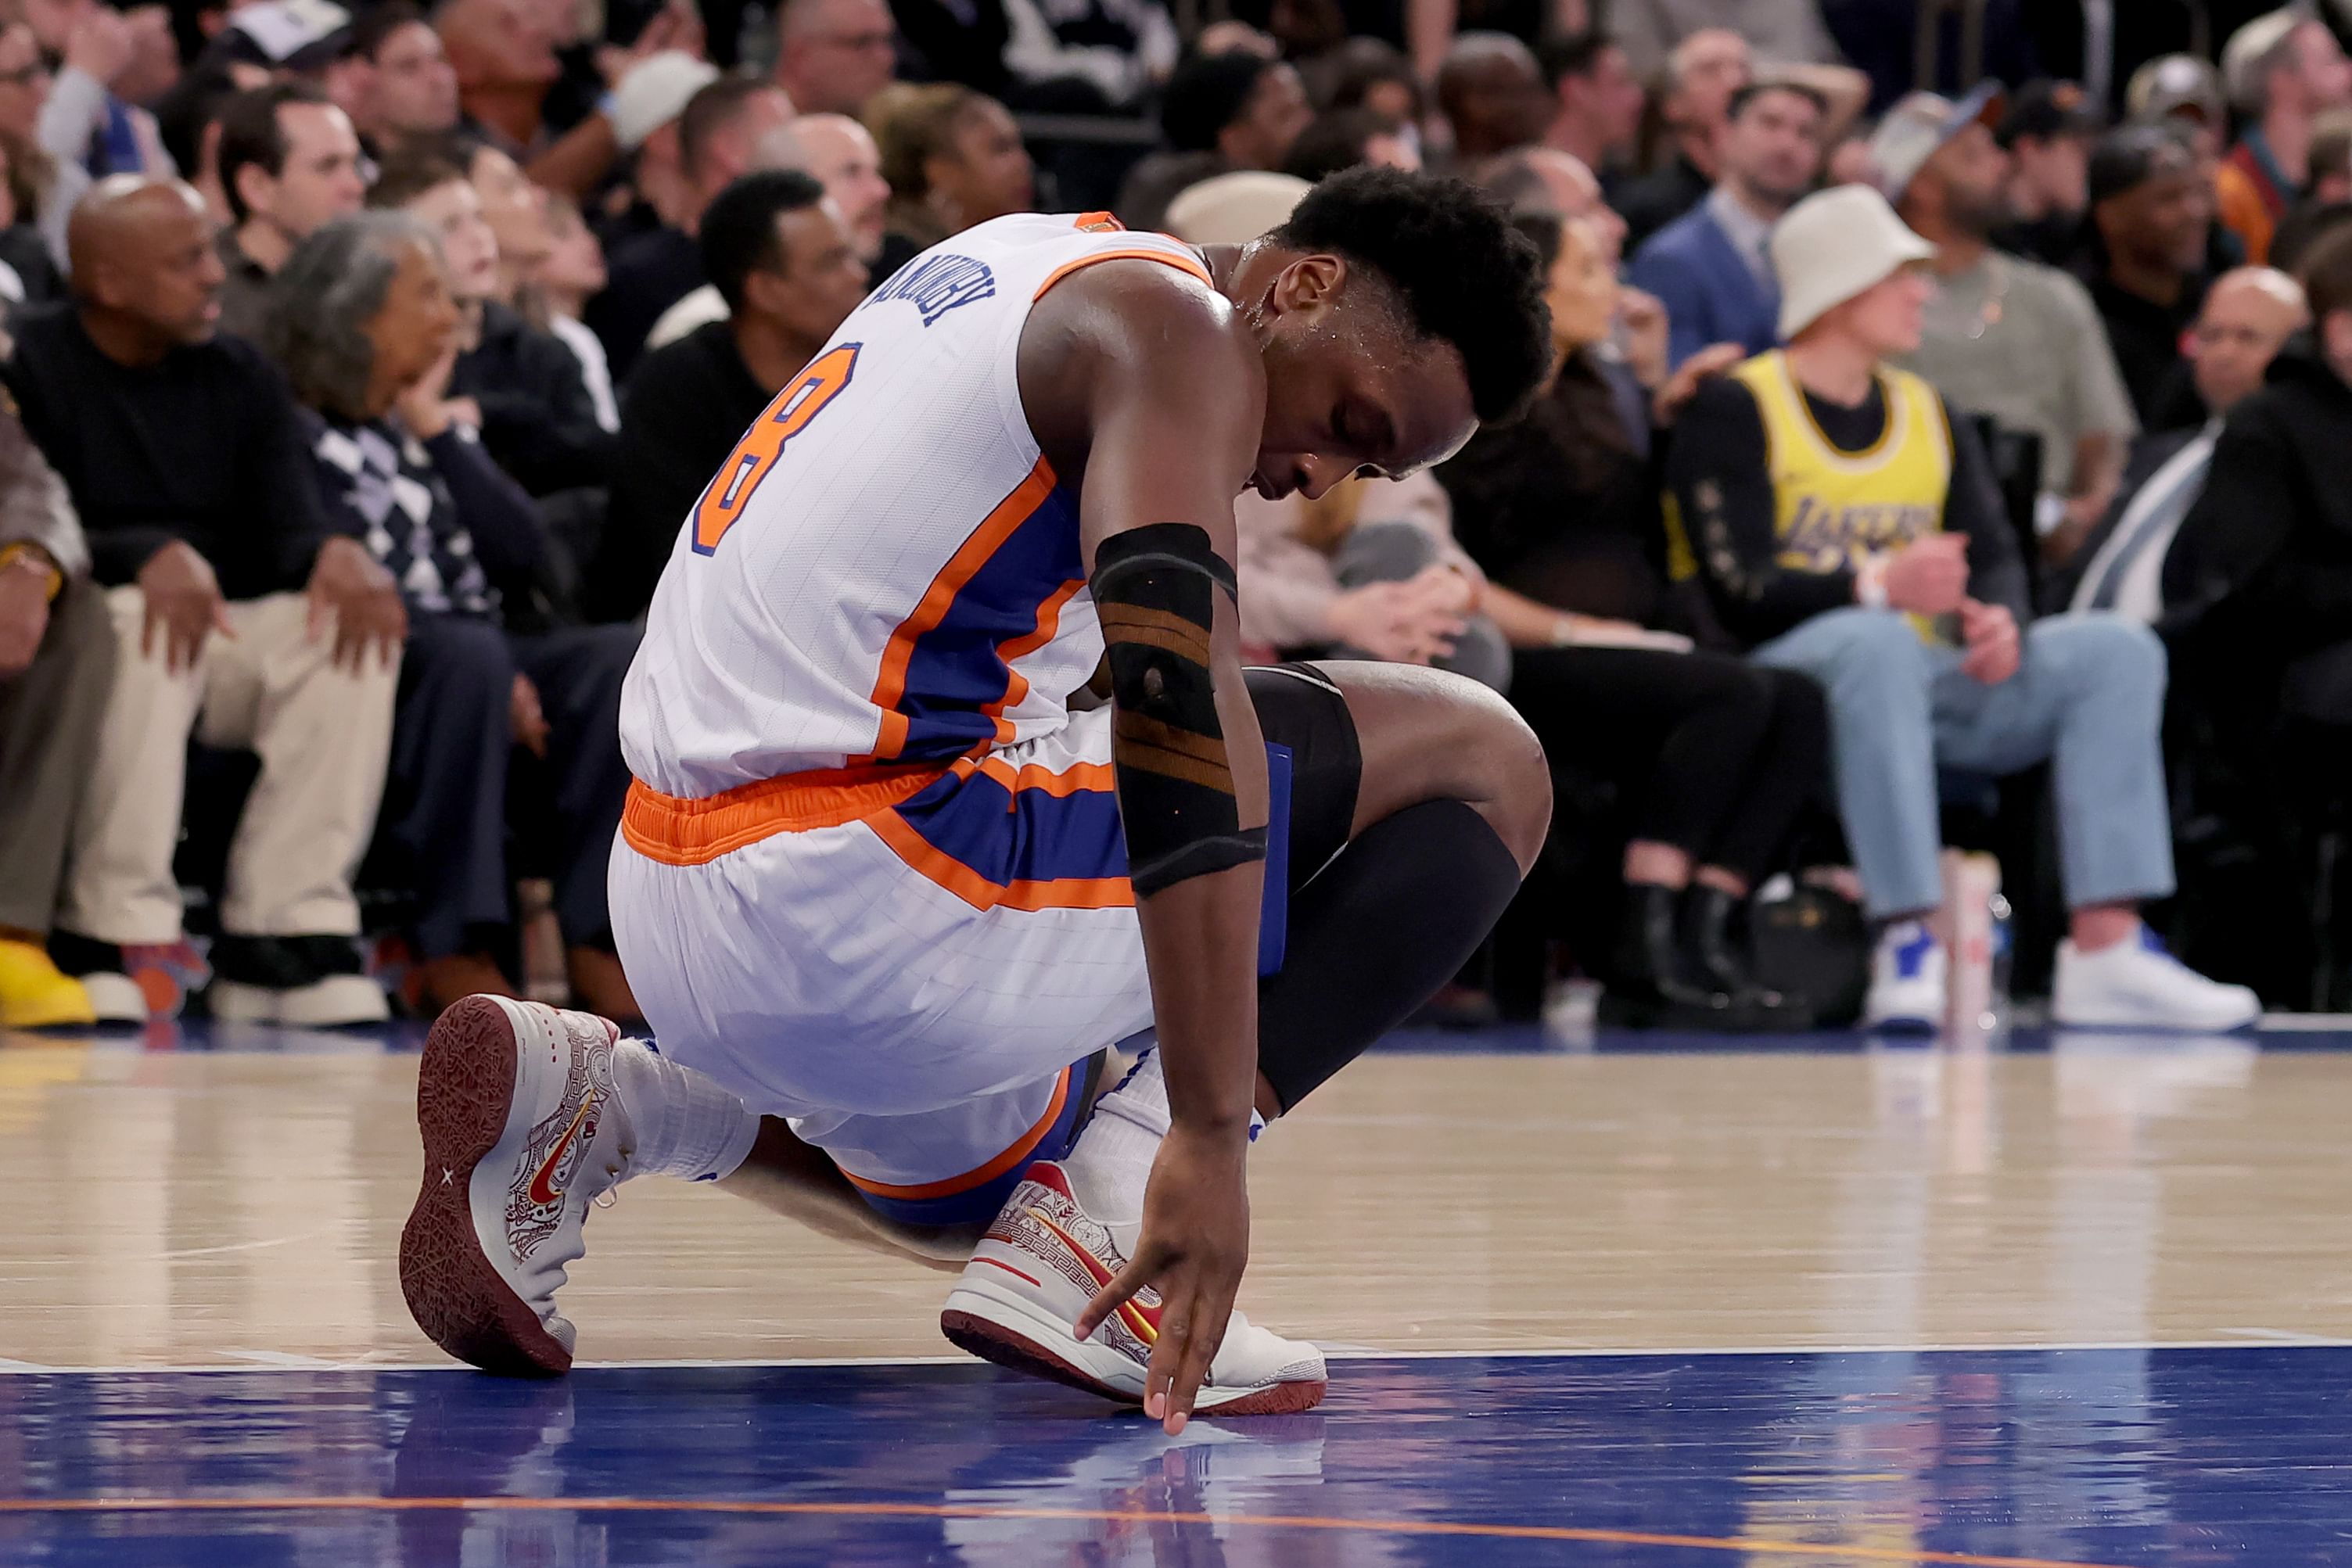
1235 208
1832 246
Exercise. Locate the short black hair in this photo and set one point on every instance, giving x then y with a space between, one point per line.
1573 55
1359 64
1463 272
739 228
712 109
1748 92
377 24
1208 93
1334 141
251 136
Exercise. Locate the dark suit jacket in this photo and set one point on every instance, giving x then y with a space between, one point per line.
1710 293
2148 454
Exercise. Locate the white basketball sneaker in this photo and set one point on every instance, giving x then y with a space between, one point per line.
1018 1303
1907 980
523 1130
2136 984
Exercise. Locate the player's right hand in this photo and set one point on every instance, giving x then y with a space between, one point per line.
1194 1246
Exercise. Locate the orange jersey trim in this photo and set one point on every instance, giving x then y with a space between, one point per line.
983 1175
1076 778
1187 264
1068 893
890 684
677 830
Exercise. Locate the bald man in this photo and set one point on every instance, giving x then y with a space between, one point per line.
234 616
834 150
1557 181
2247 318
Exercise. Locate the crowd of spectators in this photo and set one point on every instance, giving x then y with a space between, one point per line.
1907 431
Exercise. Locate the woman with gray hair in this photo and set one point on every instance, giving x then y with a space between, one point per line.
362 321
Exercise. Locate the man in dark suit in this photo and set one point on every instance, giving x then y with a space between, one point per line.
2247 316
1710 267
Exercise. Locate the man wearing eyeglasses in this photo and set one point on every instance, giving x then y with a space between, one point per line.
833 55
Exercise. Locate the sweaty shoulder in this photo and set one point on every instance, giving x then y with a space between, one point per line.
1134 327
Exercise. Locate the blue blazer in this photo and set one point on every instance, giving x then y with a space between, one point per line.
1710 293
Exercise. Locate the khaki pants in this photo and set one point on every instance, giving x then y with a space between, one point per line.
322 735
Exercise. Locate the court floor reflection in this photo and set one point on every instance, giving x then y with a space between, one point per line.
2217 1457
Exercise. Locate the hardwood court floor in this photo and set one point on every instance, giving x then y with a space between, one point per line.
212 1207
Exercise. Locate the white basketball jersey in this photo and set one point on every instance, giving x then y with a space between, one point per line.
885 570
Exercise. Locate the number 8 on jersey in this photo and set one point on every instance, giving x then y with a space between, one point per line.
803 399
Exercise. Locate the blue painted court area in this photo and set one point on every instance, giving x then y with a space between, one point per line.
2020 1459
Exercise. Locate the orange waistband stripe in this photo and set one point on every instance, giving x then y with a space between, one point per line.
985 1173
679 830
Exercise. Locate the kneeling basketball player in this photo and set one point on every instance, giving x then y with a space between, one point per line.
883 893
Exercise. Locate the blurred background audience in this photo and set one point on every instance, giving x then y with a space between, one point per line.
623 231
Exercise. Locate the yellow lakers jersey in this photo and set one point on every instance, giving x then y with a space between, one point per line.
1832 507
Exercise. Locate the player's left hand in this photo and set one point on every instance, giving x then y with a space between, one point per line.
1991 634
350 590
1194 1246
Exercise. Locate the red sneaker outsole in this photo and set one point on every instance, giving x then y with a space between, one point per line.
1017 1352
464 1086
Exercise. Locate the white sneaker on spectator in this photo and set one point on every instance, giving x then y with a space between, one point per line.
115 998
2136 984
323 1004
1907 980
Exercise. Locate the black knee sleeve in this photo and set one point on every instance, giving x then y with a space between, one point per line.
1372 937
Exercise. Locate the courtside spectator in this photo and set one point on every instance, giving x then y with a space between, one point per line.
1491 92
718 136
1597 100
1705 70
2048 130
24 89
2247 318
85 121
2257 585
289 162
2283 71
1221 112
1368 73
837 152
1347 137
57 660
363 322
516 210
952 158
2005 337
1546 179
1121 50
2144 258
788 273
1710 267
833 56
402 86
236 618
1715 757
2186 93
574 274
1781 32
26 270
519 386
503 53
1849 529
